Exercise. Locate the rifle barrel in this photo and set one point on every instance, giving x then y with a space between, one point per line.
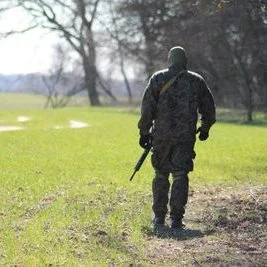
140 162
133 175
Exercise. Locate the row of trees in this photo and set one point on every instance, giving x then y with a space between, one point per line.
225 40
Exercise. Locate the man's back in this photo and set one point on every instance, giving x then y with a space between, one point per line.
176 109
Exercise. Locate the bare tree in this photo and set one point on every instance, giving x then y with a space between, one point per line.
60 85
225 39
114 34
73 20
240 35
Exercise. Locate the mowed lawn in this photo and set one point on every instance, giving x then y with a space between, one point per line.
66 199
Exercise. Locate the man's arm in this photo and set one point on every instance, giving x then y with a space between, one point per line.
148 108
206 107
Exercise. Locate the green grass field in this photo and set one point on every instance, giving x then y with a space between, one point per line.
23 101
66 199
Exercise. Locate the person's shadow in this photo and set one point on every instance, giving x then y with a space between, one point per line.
178 234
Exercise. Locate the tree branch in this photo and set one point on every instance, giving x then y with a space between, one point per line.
6 34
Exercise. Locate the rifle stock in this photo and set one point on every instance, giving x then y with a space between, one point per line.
140 162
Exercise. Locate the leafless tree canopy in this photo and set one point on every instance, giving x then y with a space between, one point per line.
225 40
61 84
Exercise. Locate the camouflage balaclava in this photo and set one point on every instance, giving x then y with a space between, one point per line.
177 57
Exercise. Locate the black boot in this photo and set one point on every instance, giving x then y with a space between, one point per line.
176 223
159 220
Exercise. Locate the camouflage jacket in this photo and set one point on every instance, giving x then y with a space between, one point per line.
173 114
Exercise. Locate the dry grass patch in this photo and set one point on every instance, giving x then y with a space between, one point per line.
225 226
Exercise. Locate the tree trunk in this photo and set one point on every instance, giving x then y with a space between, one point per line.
249 104
249 115
90 83
149 42
89 65
127 84
263 93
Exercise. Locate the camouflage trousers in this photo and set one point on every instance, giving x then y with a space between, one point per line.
170 156
176 159
178 194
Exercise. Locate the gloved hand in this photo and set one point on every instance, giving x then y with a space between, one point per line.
145 141
203 135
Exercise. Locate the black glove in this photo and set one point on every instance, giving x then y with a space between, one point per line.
203 135
145 141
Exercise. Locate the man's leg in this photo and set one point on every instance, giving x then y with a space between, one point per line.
182 156
160 189
179 197
160 184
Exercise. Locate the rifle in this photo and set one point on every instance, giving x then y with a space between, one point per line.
140 162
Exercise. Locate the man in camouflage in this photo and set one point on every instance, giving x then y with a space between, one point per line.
171 103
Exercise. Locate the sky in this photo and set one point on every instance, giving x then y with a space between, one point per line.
33 51
24 53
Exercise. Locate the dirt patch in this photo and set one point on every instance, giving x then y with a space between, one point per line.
5 128
78 124
23 119
10 128
224 227
73 124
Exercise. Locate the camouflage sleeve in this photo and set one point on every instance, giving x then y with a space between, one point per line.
206 107
148 107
